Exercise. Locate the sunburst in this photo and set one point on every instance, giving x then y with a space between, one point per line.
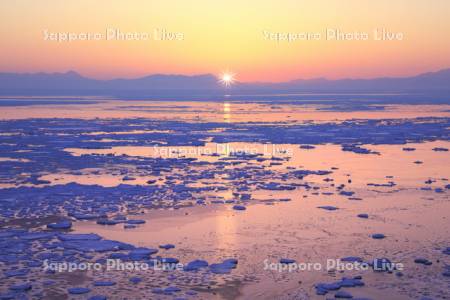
227 78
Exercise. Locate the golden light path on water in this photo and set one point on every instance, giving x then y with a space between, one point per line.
227 112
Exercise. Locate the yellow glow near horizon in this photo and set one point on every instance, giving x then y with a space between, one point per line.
218 34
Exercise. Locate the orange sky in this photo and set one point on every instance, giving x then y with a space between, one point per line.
226 35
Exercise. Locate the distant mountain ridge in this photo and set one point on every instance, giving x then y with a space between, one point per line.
74 83
439 80
72 80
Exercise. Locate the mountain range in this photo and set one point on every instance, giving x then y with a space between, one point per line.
72 83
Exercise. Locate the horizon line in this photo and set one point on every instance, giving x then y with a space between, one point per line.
218 76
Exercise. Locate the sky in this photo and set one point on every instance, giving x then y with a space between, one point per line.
237 36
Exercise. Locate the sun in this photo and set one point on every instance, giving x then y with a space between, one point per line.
227 78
